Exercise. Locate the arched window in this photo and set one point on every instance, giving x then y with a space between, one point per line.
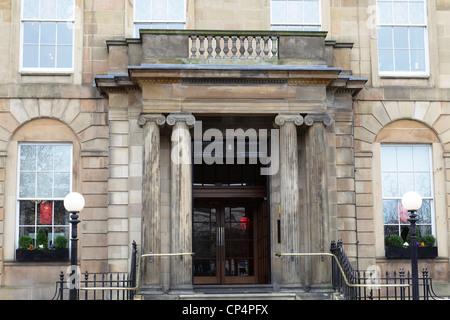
406 165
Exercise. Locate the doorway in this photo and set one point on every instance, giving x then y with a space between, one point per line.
230 241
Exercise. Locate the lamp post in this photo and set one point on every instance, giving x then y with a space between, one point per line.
412 202
74 203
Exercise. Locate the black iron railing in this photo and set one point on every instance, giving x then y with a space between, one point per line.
102 286
390 286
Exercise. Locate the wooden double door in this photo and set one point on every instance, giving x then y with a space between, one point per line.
230 241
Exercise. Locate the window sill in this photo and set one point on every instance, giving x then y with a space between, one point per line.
391 75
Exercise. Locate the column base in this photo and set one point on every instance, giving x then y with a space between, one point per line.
188 289
150 290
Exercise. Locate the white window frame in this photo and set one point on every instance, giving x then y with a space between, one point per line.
431 197
408 74
38 20
295 26
18 198
156 24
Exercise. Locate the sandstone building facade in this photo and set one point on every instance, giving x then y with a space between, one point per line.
234 131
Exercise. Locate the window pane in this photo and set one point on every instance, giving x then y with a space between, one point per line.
62 158
400 12
401 38
62 185
176 10
294 12
424 213
388 230
30 56
311 11
388 158
27 183
384 11
390 185
64 57
48 33
386 60
405 158
279 10
44 185
422 158
30 9
416 12
417 38
405 183
65 9
159 10
31 33
45 158
48 9
27 214
65 33
27 158
385 38
142 10
422 184
390 208
61 216
401 60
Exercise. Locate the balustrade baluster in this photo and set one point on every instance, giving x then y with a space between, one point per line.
266 46
226 50
218 49
242 47
193 46
233 46
250 47
274 47
210 49
201 49
258 47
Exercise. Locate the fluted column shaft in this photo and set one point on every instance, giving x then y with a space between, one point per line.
289 199
181 202
151 205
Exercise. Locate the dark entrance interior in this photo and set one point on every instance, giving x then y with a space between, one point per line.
230 224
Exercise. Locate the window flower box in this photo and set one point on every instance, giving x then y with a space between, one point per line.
405 253
42 254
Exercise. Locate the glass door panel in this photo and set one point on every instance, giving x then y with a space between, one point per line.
205 243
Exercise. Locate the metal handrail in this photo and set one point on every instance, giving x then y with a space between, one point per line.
139 270
342 270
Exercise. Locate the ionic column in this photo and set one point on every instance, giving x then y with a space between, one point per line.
181 202
151 208
289 199
317 193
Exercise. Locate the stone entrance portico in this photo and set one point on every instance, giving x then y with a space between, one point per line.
295 89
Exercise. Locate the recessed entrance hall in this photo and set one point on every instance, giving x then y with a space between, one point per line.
230 224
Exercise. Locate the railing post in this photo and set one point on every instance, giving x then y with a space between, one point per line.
61 286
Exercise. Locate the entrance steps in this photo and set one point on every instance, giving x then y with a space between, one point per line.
237 292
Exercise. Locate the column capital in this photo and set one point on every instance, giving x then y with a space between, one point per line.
143 118
283 118
324 117
180 117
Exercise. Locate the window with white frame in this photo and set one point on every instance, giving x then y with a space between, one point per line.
406 168
44 179
47 35
159 14
296 15
402 37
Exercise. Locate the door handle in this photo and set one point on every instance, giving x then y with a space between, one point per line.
220 236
